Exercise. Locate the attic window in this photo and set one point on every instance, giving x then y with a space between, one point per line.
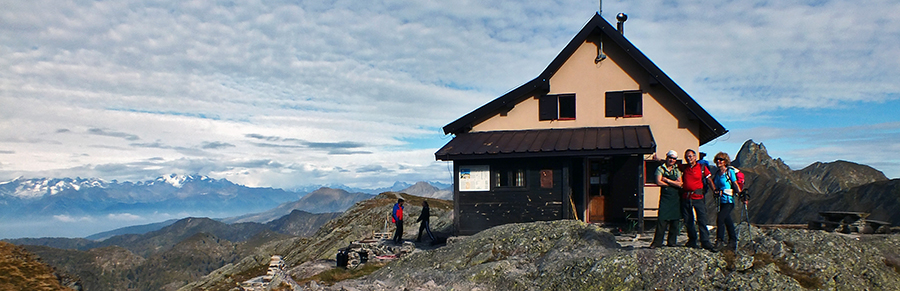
624 104
556 107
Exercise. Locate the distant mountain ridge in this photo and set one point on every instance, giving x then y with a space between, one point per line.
396 187
171 256
323 200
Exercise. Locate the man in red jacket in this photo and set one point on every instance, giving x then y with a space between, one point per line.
693 175
397 218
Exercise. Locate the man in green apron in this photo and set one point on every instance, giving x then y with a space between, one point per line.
668 177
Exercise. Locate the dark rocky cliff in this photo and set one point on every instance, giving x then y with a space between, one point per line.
780 195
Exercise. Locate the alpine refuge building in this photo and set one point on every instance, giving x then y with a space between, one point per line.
580 141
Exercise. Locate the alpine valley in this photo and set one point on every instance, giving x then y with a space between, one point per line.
78 207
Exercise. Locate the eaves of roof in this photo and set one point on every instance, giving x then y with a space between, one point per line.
710 130
558 142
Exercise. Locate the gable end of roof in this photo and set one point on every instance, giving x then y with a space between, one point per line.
710 129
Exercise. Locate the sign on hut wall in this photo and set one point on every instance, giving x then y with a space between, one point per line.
475 178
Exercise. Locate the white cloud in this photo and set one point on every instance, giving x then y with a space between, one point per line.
131 90
124 217
68 218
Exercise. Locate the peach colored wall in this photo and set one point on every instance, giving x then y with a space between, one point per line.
672 125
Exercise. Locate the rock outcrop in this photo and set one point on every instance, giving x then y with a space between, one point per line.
23 270
570 255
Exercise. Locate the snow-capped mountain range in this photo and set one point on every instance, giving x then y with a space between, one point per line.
84 197
40 187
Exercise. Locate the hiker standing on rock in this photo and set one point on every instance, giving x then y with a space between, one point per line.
725 187
668 177
424 217
397 218
694 177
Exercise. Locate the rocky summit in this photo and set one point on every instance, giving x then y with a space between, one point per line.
571 255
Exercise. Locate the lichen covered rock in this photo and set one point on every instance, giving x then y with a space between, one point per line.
571 255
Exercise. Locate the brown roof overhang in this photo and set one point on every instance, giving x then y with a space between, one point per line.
567 142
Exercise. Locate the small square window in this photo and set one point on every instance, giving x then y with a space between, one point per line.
556 107
567 107
633 104
624 104
510 178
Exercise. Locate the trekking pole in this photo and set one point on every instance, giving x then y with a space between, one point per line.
749 231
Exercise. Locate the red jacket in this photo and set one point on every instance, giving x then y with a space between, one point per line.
397 214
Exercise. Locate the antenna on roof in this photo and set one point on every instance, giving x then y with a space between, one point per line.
600 55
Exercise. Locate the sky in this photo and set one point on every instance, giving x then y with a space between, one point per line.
286 94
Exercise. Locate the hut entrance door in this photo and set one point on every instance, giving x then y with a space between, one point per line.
598 186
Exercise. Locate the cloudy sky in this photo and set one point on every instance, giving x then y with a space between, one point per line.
284 94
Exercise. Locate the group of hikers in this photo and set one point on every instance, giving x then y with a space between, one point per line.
682 193
397 219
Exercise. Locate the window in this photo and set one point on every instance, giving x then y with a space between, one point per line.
509 178
624 104
650 167
556 107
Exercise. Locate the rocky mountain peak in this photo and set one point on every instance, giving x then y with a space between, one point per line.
420 188
753 155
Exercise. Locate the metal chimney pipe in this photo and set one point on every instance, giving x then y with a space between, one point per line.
620 25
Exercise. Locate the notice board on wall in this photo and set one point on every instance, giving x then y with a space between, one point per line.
474 178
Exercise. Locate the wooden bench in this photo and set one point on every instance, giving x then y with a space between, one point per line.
631 214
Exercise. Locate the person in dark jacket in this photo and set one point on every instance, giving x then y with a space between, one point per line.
424 217
397 218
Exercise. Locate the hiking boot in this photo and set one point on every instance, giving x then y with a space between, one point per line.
691 244
719 246
732 246
708 246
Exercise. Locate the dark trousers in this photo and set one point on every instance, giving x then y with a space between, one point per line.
661 226
688 207
424 226
398 235
725 222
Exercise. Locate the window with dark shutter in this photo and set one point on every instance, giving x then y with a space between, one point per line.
624 104
615 104
556 107
548 109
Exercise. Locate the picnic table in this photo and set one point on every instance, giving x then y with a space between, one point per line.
849 221
846 221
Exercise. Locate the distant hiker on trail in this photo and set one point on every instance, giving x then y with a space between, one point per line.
424 218
668 177
725 187
397 218
694 177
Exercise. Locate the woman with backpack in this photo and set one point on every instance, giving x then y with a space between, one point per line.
726 186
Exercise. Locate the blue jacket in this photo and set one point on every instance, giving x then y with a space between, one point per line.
397 214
